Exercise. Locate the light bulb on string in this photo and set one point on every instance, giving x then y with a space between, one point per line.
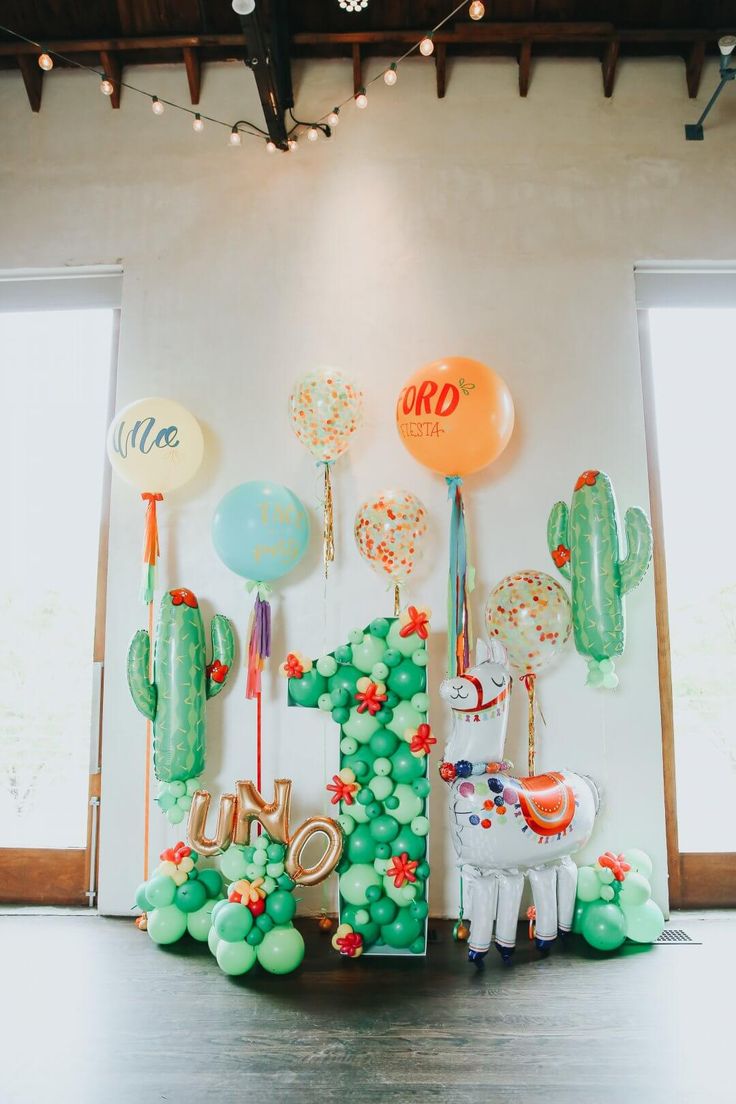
426 46
46 62
361 100
156 106
293 145
235 137
312 134
270 147
106 87
391 76
243 7
197 124
334 117
476 10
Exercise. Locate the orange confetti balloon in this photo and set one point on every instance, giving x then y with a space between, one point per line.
389 530
325 410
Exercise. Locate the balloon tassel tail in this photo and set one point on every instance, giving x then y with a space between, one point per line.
259 645
328 539
397 600
151 550
529 680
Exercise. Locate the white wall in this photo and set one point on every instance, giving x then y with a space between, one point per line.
486 225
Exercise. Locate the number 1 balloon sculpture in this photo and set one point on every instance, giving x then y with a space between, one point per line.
325 410
455 416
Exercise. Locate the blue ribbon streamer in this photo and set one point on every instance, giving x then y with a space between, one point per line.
457 608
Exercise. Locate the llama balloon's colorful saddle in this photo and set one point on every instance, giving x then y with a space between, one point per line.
547 803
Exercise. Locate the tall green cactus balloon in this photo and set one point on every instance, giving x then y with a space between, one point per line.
584 544
174 699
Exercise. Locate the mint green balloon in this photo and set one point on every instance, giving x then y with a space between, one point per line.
420 826
368 653
235 959
355 881
233 864
405 716
141 900
166 924
635 890
380 787
401 895
348 745
644 923
361 726
199 923
589 887
409 806
233 922
356 812
326 666
639 862
347 823
161 891
603 926
420 702
282 950
407 645
213 940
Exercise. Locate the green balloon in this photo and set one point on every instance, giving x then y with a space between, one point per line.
402 895
361 846
285 882
420 826
384 829
604 926
581 907
407 679
368 653
233 864
422 787
190 896
418 946
264 922
281 951
383 743
233 922
306 690
343 653
347 823
166 924
141 900
345 678
373 892
392 657
419 910
406 645
213 940
383 911
383 850
326 665
369 930
280 906
348 746
255 936
644 923
365 796
199 923
361 726
340 715
177 789
219 906
379 627
635 890
380 672
355 881
373 811
161 891
405 767
325 703
384 716
235 959
405 716
409 806
340 696
639 862
589 887
402 931
415 846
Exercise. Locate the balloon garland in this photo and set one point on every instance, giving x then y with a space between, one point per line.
325 409
456 416
614 901
529 612
389 530
179 898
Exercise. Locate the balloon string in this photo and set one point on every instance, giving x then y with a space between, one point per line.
328 539
458 629
529 680
149 742
397 600
151 550
259 778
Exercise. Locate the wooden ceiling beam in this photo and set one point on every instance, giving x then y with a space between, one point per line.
123 44
32 79
525 67
357 69
608 65
694 68
113 70
193 66
440 61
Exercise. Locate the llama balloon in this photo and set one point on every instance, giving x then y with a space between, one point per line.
503 827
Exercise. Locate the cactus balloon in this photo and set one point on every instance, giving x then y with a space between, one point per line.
174 699
584 544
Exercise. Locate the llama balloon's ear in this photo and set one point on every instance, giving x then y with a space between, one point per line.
497 652
482 652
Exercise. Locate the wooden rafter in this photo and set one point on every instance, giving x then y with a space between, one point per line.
440 61
357 69
694 69
525 67
113 70
32 78
193 66
608 65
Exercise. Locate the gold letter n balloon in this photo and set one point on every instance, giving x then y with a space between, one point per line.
584 544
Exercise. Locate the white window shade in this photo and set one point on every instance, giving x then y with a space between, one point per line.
694 285
93 288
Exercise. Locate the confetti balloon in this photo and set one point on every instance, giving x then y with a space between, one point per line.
529 612
325 410
389 529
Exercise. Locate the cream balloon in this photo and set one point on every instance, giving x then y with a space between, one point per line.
155 444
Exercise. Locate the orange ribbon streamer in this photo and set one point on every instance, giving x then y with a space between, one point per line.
529 680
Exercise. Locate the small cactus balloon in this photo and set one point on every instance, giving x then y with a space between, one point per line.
174 699
584 544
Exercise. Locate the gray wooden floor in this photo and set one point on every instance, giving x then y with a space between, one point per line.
93 1011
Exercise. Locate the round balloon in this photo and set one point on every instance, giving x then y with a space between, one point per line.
260 530
530 613
155 444
455 416
325 410
389 530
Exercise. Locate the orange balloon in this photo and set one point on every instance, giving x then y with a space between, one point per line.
455 416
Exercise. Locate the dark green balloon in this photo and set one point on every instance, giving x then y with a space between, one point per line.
383 850
361 846
343 654
373 892
345 678
422 787
385 716
422 870
307 689
212 881
369 931
403 929
379 628
285 882
280 906
418 946
254 936
340 715
383 911
365 796
392 657
407 679
340 696
419 910
361 761
347 914
383 743
344 864
275 852
406 767
141 900
384 829
392 700
581 907
415 846
193 874
190 896
232 922
392 802
374 810
264 921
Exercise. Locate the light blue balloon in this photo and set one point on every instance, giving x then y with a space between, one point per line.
260 530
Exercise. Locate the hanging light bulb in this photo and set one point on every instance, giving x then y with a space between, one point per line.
312 134
197 124
391 76
426 46
334 117
270 147
361 100
476 10
156 106
106 87
235 137
293 145
244 7
46 62
726 44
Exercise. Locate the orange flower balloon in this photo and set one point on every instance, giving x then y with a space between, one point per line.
455 416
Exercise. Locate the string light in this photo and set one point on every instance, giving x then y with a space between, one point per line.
106 87
333 118
197 124
391 76
293 145
361 100
235 139
476 10
244 7
46 62
270 146
426 46
156 106
312 134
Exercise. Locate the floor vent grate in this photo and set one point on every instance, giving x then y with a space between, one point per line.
676 935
